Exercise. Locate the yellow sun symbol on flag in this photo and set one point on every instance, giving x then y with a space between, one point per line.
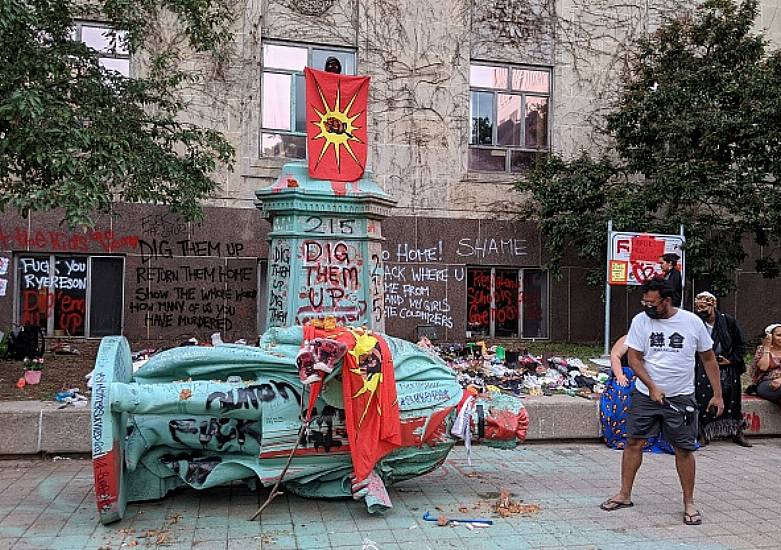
336 126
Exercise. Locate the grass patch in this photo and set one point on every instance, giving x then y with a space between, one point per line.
563 349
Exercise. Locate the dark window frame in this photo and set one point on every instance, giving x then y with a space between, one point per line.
544 302
77 30
507 90
310 47
51 257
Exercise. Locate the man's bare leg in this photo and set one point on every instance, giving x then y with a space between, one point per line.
684 463
631 459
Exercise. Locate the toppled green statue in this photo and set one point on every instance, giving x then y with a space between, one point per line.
206 416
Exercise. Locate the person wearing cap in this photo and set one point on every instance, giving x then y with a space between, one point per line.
333 65
669 266
766 367
729 345
663 341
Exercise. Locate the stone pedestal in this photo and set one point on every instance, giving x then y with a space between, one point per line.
325 254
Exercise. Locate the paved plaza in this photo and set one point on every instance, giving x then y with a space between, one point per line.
49 504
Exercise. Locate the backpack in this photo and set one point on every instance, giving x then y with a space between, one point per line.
27 341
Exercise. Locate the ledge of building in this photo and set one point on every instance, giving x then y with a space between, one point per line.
32 427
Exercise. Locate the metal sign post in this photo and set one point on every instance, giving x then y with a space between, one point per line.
607 289
632 258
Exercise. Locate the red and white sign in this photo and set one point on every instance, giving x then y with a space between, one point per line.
634 257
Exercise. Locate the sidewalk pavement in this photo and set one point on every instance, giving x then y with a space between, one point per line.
49 504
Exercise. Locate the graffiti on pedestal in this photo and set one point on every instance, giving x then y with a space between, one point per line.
279 279
377 283
330 283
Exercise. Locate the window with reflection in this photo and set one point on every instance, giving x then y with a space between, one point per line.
509 113
283 94
109 43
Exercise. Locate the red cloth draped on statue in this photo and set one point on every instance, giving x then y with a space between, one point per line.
371 407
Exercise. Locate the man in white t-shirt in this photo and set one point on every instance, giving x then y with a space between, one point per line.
663 341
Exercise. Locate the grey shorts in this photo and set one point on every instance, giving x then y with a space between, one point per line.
648 418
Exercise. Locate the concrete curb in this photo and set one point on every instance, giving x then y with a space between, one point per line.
32 427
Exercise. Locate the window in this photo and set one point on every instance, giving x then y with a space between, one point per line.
509 112
70 295
283 106
506 302
113 56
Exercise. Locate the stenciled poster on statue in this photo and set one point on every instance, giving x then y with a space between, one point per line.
634 257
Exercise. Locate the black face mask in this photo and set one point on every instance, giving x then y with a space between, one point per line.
703 314
652 312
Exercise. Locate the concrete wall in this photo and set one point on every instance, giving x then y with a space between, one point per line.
32 427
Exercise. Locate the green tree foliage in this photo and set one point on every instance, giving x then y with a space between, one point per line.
77 136
697 133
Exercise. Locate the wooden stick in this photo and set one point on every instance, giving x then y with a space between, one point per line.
275 490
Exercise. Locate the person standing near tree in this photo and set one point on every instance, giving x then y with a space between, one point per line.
663 341
669 265
729 347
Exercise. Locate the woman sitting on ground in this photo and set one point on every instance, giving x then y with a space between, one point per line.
766 368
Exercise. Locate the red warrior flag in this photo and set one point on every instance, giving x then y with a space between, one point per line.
336 133
371 407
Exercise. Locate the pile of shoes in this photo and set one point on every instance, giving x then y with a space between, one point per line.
518 372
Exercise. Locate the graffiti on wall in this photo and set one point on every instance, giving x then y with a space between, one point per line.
67 241
184 296
506 297
4 263
478 300
417 278
330 283
186 248
491 248
61 295
411 293
199 297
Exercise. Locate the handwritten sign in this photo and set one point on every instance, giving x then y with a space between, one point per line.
634 257
618 272
646 248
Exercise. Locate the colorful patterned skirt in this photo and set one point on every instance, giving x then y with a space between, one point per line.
613 410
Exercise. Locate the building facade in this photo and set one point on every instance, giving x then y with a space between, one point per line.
464 94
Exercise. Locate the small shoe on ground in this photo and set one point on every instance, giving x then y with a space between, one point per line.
740 439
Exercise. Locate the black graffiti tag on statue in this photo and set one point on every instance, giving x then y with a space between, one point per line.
251 396
224 430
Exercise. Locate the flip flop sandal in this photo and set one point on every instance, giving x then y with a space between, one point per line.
611 505
693 519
